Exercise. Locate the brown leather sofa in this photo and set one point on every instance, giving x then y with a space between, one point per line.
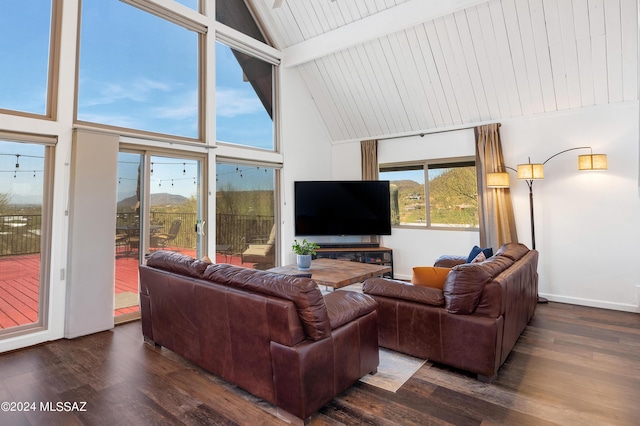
273 335
473 322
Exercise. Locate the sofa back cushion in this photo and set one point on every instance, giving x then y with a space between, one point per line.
463 287
303 292
177 263
513 251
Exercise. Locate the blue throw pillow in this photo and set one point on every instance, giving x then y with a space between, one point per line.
488 252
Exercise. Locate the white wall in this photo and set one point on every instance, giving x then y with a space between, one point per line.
306 149
587 223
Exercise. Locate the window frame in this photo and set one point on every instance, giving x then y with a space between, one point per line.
425 165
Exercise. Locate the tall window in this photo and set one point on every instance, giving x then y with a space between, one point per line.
137 71
246 231
450 200
25 40
244 99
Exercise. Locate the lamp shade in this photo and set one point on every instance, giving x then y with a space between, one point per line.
498 180
592 162
530 171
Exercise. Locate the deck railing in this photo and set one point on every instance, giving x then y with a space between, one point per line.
20 234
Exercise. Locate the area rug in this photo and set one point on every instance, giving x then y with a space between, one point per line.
394 370
125 300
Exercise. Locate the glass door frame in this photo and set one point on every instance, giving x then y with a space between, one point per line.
145 209
46 221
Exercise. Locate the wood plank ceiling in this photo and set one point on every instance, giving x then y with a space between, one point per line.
486 62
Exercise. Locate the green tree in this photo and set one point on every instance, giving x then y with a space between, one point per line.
453 197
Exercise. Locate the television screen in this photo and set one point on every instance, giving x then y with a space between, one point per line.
342 208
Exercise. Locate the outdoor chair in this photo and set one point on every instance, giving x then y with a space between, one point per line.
262 253
167 240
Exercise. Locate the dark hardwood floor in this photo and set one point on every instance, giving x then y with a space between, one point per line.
572 366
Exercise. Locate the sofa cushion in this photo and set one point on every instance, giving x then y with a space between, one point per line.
303 292
488 252
178 263
449 261
402 290
513 251
464 286
345 306
430 276
496 264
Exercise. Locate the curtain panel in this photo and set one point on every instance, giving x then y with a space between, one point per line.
495 210
369 159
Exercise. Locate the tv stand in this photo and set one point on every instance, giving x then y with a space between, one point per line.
349 245
360 252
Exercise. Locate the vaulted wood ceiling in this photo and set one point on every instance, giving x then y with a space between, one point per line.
391 67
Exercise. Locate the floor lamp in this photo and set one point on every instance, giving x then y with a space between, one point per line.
535 171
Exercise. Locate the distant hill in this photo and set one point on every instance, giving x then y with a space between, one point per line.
406 184
163 199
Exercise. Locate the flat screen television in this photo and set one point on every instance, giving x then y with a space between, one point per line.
342 208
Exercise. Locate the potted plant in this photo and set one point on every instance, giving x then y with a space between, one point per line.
304 252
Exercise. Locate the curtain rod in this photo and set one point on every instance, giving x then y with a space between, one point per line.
425 133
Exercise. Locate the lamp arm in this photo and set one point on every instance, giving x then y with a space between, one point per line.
566 150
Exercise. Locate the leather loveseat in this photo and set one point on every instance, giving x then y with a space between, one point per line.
473 322
273 335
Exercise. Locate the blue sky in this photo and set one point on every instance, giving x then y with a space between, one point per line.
23 183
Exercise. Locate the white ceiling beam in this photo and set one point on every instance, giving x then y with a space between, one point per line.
397 18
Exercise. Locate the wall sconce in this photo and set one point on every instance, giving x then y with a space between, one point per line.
535 171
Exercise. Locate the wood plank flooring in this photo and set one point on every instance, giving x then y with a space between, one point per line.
572 366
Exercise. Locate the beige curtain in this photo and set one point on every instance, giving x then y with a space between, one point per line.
369 158
497 222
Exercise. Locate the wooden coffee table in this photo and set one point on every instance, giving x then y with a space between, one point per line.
336 273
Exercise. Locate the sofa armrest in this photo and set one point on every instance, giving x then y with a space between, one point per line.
345 306
401 290
449 261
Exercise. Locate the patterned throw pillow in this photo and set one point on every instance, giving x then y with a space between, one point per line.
488 252
479 258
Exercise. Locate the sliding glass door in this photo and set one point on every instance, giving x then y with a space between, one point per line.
25 188
159 207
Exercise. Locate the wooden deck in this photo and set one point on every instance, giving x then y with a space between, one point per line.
19 285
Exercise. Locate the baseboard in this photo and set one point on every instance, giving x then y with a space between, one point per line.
87 331
625 307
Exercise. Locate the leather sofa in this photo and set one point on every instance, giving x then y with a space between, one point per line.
272 335
473 322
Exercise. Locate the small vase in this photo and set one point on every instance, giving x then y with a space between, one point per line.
304 262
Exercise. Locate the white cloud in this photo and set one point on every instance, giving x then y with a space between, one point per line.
137 90
184 108
232 102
